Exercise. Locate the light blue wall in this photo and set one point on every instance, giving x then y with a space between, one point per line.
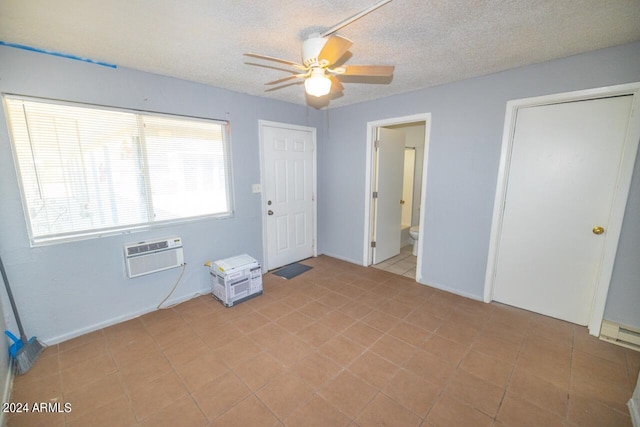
466 136
65 289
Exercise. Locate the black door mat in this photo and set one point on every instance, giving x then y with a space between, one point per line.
292 270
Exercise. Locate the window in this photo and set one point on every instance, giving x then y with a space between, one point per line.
86 170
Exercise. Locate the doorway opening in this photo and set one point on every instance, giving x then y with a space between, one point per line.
396 172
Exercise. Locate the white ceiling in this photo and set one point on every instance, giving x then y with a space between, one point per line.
429 41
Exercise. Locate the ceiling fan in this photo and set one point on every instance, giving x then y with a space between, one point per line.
320 54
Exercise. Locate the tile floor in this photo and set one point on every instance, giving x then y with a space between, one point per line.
339 345
403 264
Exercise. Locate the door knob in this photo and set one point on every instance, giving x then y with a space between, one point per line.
269 212
598 230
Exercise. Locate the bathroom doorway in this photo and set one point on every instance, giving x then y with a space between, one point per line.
396 182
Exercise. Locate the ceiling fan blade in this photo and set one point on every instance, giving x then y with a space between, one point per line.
334 48
270 67
368 70
284 79
282 86
336 85
282 61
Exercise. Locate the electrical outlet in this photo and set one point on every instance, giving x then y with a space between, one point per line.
256 188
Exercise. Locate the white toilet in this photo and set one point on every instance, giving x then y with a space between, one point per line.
414 232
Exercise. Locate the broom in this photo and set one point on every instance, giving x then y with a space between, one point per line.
23 352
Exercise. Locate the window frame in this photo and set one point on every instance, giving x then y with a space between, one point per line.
79 235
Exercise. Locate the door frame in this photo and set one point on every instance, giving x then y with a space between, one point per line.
367 252
314 228
620 197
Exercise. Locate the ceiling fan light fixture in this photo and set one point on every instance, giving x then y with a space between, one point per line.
317 84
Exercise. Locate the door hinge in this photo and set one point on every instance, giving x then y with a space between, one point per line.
373 244
375 194
376 144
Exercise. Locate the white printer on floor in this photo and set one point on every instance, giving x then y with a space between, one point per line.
236 279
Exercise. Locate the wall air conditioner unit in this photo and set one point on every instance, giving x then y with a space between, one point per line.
154 255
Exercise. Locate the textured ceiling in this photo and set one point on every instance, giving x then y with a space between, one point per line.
430 42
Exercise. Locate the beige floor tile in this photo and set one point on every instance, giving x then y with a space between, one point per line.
340 345
412 391
517 412
363 334
115 413
591 413
183 412
342 350
316 334
251 322
284 394
337 320
294 321
86 372
316 370
275 310
92 397
269 335
348 393
380 320
385 411
426 365
497 347
155 395
477 393
539 392
315 310
317 412
373 369
409 333
394 350
237 351
355 309
220 395
451 412
43 389
554 370
249 412
202 370
425 320
290 349
487 368
259 370
445 349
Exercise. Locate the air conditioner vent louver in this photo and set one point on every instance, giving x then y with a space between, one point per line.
148 257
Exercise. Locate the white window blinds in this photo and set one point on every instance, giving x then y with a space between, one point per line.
87 170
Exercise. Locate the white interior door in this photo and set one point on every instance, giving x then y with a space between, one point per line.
388 210
561 184
288 193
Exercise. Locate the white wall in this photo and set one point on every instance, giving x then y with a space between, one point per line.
65 289
465 141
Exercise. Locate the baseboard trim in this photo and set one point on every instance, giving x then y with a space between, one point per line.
114 321
453 291
634 411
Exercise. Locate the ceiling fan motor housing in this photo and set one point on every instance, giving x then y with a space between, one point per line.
311 48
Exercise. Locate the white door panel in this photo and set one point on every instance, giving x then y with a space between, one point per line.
562 182
288 168
388 210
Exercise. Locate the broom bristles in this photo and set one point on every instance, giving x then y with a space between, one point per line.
27 356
